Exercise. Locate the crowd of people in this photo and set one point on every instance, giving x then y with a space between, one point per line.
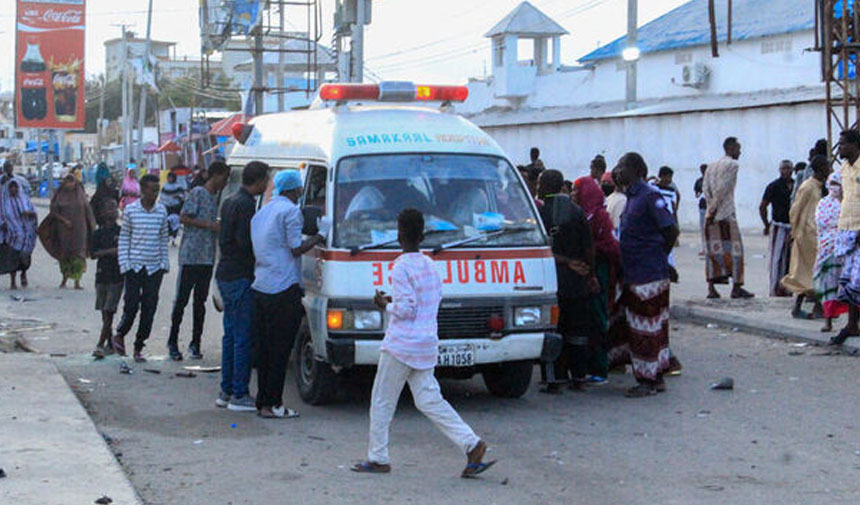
612 235
813 228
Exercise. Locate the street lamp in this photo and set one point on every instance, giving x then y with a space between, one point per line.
631 54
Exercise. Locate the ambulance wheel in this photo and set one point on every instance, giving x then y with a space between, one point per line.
509 380
315 380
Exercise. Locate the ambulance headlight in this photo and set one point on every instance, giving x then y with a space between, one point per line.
525 317
367 319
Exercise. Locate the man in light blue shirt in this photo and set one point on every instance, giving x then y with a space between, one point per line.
276 234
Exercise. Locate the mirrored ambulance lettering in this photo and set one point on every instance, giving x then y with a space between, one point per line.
463 272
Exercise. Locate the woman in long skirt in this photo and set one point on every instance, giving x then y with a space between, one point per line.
828 265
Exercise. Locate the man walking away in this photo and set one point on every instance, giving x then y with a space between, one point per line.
725 246
703 204
409 353
648 233
197 257
143 262
804 231
234 276
276 233
573 249
777 195
849 234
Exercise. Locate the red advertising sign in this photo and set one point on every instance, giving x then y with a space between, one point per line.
49 64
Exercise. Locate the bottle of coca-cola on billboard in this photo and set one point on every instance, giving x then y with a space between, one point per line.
34 83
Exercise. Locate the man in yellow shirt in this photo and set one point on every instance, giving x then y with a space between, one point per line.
849 234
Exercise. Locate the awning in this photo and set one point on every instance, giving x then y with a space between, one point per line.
224 127
150 148
169 147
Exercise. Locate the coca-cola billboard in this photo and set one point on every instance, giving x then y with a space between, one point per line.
49 64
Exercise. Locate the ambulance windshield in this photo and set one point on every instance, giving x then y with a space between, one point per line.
461 196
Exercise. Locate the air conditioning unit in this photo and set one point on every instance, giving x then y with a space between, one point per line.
695 75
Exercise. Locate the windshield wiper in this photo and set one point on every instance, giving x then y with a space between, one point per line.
376 245
483 236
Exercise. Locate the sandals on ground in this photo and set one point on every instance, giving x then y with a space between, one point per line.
841 337
742 293
278 413
370 467
475 465
641 391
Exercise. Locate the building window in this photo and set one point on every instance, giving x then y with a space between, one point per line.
683 58
499 51
776 46
19 135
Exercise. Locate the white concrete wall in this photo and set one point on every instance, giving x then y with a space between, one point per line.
681 141
747 66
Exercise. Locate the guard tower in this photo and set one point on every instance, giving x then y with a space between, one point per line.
514 77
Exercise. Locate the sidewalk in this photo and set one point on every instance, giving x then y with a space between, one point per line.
49 447
762 315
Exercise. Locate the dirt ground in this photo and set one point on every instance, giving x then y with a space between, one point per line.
789 432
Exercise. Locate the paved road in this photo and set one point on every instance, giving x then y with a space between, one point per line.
789 433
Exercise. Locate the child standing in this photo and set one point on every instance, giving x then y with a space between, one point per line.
409 353
108 278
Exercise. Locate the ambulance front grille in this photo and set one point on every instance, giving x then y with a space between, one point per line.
466 322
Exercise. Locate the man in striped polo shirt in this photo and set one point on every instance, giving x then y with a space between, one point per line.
142 261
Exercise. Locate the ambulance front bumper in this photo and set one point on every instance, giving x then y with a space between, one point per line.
536 346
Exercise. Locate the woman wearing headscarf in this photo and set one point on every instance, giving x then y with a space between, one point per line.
130 187
102 173
65 232
607 262
18 230
105 190
828 265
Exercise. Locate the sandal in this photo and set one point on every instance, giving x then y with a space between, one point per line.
841 337
742 294
476 465
118 346
370 467
713 296
801 314
277 413
641 391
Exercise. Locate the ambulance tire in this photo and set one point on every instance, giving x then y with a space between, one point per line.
316 381
510 379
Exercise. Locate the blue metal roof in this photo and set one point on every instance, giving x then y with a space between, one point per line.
688 25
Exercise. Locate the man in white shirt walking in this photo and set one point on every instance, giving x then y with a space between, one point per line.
409 354
143 261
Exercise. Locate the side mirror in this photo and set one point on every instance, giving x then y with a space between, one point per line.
311 215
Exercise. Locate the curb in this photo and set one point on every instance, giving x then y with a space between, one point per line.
764 328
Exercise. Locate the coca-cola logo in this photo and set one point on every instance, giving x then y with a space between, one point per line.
33 83
66 17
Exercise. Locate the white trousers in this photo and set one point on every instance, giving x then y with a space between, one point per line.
391 375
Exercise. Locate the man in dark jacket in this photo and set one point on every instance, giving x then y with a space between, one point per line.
573 249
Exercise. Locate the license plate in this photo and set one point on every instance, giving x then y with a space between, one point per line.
457 355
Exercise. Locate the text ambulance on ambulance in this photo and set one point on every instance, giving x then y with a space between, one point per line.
365 153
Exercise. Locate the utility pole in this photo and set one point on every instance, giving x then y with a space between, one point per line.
124 73
257 88
632 39
99 129
358 42
280 74
141 120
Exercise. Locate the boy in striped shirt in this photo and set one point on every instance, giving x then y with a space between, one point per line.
409 353
142 252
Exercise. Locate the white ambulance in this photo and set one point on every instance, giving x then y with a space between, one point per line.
366 152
